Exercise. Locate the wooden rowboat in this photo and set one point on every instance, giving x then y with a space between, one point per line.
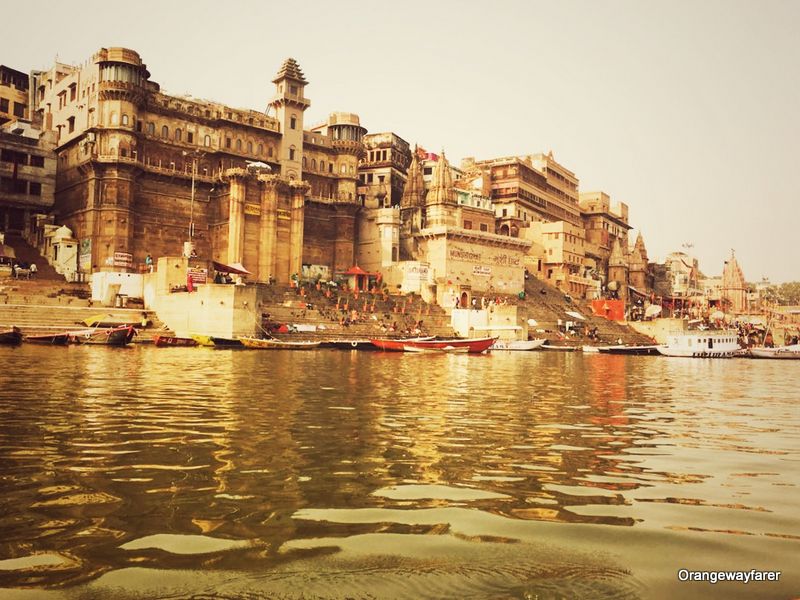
170 341
54 339
11 336
266 344
473 345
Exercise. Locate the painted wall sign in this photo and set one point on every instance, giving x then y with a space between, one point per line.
252 209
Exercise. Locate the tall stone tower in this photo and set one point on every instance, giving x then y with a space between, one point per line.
412 209
441 199
618 270
290 104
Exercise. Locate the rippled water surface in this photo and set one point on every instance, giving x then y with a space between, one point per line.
195 473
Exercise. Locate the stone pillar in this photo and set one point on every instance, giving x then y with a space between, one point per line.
344 244
268 228
237 179
298 191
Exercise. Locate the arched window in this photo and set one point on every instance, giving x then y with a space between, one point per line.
207 141
305 162
238 145
249 147
114 119
178 134
313 164
164 132
270 151
322 166
291 153
343 169
151 128
124 119
293 122
260 149
330 167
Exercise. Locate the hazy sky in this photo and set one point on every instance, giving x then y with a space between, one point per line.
688 111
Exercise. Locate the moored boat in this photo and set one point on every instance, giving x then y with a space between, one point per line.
636 350
706 344
559 348
171 341
54 339
521 345
271 344
220 342
445 350
112 336
782 352
473 345
11 336
203 340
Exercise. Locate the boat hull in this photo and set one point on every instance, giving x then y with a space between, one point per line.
263 344
518 345
635 350
782 353
168 341
115 336
11 337
473 346
56 339
219 342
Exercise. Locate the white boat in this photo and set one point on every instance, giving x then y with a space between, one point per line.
705 344
779 352
517 344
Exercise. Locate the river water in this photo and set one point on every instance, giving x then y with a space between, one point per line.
198 473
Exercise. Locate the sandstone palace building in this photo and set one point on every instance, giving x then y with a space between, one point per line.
143 172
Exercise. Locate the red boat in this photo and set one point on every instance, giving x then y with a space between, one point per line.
473 345
169 341
54 339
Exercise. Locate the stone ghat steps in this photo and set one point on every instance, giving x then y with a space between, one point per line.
27 253
291 305
547 305
43 319
35 291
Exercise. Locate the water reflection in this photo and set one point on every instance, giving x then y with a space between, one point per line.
232 460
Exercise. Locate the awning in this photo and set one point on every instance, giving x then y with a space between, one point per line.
575 315
235 268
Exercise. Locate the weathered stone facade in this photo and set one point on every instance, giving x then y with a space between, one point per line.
143 172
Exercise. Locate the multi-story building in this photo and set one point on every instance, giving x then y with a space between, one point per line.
143 172
561 259
528 189
14 87
605 222
382 170
27 174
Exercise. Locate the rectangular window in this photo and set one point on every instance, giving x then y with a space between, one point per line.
37 161
484 227
73 92
19 109
227 142
467 224
190 137
35 188
505 212
71 124
4 105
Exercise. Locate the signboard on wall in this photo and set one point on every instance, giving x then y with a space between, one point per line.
284 214
252 209
198 275
85 255
123 259
482 270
